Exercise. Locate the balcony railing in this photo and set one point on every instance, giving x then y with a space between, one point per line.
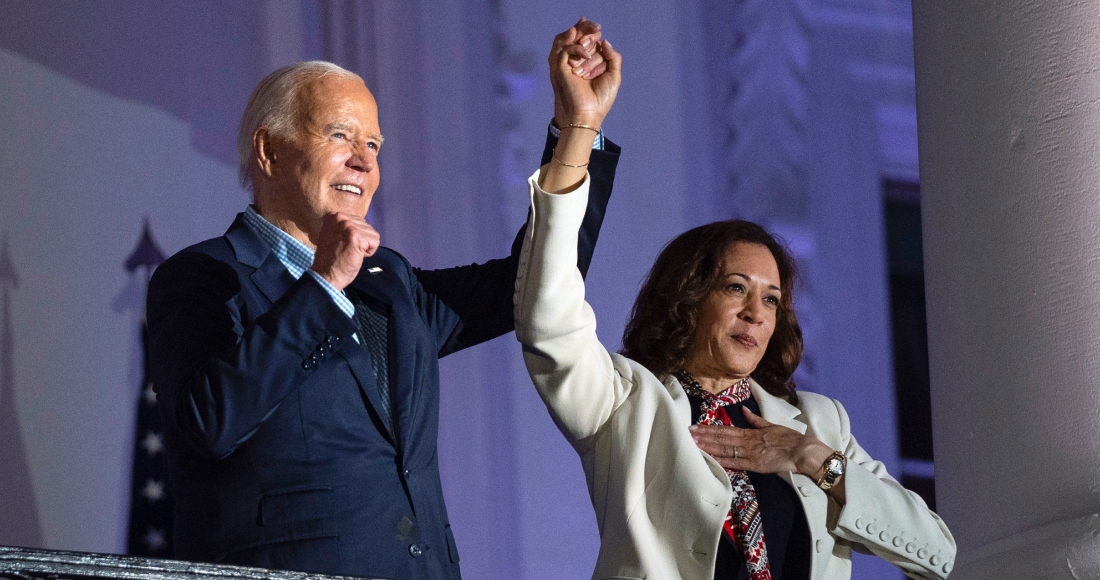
30 564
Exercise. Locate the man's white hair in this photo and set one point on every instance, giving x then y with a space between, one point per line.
273 106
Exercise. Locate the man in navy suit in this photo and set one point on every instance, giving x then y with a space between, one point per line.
296 360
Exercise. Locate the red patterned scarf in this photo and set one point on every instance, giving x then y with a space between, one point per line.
743 522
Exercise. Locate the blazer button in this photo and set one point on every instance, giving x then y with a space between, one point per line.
922 553
819 546
415 550
805 491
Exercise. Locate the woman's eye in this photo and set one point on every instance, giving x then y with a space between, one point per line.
740 288
773 300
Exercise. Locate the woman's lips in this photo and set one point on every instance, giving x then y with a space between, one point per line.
745 339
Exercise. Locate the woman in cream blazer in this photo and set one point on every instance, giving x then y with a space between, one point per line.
660 500
661 490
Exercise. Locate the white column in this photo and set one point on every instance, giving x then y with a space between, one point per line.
1009 111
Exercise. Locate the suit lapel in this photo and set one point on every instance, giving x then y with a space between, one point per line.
683 411
372 282
814 501
272 279
776 410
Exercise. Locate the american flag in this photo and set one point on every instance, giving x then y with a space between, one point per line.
150 501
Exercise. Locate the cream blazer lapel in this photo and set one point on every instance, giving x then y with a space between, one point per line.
815 503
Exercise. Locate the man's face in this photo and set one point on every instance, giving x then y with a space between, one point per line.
329 163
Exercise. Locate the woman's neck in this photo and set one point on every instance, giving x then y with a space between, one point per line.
712 382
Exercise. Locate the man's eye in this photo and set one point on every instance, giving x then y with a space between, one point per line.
339 136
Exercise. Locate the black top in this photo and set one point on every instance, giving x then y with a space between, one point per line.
785 531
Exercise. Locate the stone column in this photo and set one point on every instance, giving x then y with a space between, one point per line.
1008 103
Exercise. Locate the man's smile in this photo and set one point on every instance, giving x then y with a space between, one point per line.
348 187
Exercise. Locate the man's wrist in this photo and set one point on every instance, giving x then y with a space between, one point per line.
597 143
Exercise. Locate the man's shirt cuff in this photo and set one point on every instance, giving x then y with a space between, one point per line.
597 145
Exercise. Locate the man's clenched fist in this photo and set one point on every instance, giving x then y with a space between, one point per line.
344 241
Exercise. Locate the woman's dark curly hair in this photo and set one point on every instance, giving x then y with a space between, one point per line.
663 320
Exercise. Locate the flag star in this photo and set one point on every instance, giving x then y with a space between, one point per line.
155 540
154 490
153 443
148 395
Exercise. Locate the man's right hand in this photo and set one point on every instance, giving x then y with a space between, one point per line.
344 241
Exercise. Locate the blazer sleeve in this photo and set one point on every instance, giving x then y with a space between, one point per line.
220 371
468 305
573 373
883 518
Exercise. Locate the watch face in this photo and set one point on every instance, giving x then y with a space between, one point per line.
835 467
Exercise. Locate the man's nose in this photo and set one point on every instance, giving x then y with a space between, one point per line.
362 158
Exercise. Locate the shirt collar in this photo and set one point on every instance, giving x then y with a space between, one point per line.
296 256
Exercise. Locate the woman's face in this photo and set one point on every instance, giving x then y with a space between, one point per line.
737 319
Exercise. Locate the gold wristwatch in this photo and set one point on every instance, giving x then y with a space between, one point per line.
834 470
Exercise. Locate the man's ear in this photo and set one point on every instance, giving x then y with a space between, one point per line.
264 151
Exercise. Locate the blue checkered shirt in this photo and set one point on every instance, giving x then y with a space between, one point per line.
296 256
596 145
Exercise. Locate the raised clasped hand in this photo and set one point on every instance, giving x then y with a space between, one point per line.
585 72
345 240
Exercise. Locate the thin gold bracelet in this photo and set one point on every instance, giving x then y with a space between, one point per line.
581 126
560 162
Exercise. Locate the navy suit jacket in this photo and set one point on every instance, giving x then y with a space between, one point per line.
277 453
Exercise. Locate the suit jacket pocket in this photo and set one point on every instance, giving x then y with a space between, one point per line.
296 504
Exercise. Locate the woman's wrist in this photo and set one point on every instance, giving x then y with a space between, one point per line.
811 461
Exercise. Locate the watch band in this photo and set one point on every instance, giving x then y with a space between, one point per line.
834 468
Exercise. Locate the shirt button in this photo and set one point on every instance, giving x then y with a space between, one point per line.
415 550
